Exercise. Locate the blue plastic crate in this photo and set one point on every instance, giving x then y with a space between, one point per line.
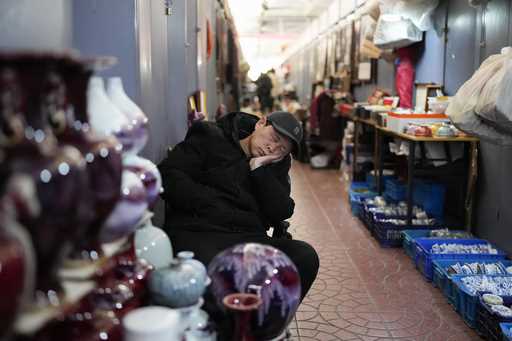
424 256
465 302
488 322
409 237
354 185
371 180
444 281
430 196
367 216
506 332
391 235
395 190
356 197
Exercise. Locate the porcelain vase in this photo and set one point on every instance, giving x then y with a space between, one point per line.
266 271
137 119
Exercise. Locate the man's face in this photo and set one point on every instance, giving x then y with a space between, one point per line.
267 141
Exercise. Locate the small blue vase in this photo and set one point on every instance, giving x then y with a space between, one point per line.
179 285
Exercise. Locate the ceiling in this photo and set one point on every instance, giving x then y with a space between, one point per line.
266 27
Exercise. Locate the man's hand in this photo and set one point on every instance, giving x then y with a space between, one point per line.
259 161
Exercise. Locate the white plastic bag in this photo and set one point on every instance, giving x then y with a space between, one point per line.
504 98
402 22
474 108
418 11
395 32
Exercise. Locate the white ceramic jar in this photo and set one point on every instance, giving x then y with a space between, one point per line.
152 323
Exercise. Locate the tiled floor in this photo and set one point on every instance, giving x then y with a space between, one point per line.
363 291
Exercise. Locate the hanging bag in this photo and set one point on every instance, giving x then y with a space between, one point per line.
474 108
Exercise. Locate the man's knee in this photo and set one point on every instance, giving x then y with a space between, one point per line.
307 257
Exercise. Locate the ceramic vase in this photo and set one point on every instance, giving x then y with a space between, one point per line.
242 305
104 117
153 245
129 210
152 323
131 111
180 285
16 267
148 174
58 173
261 269
197 324
102 154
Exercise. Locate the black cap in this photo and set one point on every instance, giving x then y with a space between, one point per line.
286 124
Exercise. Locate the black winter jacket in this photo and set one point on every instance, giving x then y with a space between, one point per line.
209 186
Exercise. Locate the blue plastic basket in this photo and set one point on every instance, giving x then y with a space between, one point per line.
371 180
395 190
505 331
444 281
424 256
409 237
430 196
466 303
488 322
356 197
391 235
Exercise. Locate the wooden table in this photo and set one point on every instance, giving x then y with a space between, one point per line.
471 155
413 142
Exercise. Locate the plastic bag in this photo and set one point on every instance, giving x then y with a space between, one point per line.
402 21
504 99
474 107
419 12
395 32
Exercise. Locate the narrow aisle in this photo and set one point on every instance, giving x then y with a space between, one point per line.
363 291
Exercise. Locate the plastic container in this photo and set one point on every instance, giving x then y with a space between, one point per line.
409 243
505 331
391 235
395 190
409 237
444 281
488 322
465 302
371 179
357 193
430 196
424 256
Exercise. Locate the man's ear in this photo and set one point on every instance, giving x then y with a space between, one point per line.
261 122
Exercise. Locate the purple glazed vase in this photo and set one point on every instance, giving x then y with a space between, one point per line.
59 173
103 154
266 271
148 174
242 306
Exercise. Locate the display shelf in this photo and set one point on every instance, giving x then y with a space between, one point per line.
427 139
29 322
471 157
76 283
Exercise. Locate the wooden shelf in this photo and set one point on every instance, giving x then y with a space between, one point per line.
367 121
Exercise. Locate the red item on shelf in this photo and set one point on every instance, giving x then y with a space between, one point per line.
404 79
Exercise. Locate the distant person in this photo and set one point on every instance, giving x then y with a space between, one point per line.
276 86
290 104
264 91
